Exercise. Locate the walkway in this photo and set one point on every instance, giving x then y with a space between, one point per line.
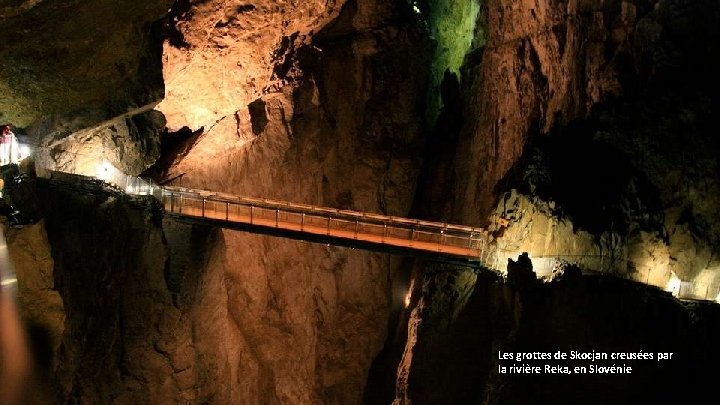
319 223
438 241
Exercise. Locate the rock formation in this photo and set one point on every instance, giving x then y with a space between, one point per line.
67 65
579 132
572 116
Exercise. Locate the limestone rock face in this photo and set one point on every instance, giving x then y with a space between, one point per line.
131 145
634 182
332 120
600 116
324 103
458 328
285 106
545 64
224 54
530 225
643 255
40 302
68 65
108 259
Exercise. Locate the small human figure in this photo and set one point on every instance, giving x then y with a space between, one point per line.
5 145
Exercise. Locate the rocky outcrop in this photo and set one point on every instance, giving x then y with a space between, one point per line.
216 316
450 290
108 258
458 329
545 64
131 145
339 127
222 55
67 66
523 224
586 135
325 103
40 303
633 178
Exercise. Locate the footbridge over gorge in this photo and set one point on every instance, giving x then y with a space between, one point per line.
361 230
433 240
441 242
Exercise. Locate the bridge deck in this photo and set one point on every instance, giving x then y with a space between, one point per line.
364 228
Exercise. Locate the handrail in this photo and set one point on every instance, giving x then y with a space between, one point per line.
299 207
439 238
436 237
334 225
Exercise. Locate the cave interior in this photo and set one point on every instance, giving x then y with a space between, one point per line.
465 201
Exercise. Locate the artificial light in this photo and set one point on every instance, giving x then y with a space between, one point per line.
25 151
104 171
673 285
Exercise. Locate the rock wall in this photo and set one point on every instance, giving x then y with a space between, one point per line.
67 66
545 64
40 303
215 316
636 173
460 324
108 258
325 103
130 145
576 110
331 119
222 55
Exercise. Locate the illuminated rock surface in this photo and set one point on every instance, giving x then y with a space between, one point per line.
335 124
250 319
601 116
573 127
66 65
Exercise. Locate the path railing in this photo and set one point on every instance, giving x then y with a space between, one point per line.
446 239
611 265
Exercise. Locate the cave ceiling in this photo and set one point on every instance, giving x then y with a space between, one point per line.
67 65
70 63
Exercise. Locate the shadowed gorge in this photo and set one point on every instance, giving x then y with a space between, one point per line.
361 202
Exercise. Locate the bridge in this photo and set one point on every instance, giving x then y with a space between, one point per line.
434 240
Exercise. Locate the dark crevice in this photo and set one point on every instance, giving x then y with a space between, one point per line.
593 183
258 116
174 146
180 11
244 8
437 172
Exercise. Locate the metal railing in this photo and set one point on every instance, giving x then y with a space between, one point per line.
446 239
697 291
456 240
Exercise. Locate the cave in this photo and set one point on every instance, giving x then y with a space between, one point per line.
396 202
